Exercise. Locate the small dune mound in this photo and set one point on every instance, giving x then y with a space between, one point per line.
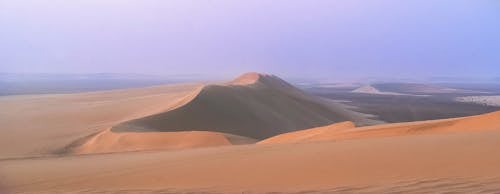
346 130
314 134
108 141
369 89
254 105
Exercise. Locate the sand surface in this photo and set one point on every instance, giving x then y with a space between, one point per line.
64 144
108 141
460 162
45 124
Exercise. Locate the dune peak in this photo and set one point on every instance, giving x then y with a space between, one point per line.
247 78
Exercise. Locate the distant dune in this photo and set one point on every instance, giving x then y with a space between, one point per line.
346 130
411 89
368 89
253 105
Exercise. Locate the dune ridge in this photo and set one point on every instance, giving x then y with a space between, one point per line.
108 142
308 135
344 131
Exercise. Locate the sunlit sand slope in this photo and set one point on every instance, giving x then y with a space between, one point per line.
44 124
107 141
342 131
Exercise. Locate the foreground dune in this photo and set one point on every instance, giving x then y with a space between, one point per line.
465 162
107 141
346 130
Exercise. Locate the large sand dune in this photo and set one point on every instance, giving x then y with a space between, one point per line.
463 162
346 130
254 105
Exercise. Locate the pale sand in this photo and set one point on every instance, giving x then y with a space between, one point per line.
462 162
43 124
346 130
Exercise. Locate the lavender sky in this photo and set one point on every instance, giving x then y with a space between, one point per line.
411 38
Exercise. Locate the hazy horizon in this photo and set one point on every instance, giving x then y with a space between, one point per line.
343 39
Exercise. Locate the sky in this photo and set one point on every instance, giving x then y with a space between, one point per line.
331 38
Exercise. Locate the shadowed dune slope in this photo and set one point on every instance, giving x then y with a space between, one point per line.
254 105
346 130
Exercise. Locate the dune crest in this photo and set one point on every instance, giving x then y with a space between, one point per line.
342 131
307 135
246 79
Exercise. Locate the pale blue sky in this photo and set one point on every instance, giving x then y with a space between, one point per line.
412 38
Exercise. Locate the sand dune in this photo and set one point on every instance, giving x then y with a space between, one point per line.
307 135
465 162
346 130
254 105
107 141
145 154
369 89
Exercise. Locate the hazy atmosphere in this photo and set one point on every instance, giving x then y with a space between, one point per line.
249 96
287 38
